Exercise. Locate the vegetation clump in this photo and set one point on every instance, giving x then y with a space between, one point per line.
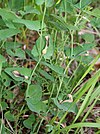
49 66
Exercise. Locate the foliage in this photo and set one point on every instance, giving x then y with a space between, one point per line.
44 64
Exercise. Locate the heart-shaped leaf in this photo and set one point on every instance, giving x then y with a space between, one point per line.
33 99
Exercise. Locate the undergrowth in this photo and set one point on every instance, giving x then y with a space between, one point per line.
49 66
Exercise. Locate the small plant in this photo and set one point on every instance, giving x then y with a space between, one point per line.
49 66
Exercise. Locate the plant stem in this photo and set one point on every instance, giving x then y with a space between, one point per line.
72 42
44 12
33 72
63 78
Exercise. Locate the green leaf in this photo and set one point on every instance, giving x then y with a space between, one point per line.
95 12
33 99
20 53
36 107
2 60
88 37
29 9
9 24
16 5
32 25
82 4
38 47
66 6
66 106
6 33
9 95
23 71
2 24
35 93
9 116
95 22
55 68
28 122
46 75
32 117
15 49
61 24
5 79
39 2
49 3
4 105
85 60
7 14
79 49
50 49
83 48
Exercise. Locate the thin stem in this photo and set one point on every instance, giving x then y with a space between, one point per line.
33 72
72 75
42 26
2 44
97 31
40 125
41 122
10 126
1 120
52 90
12 87
63 78
72 42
